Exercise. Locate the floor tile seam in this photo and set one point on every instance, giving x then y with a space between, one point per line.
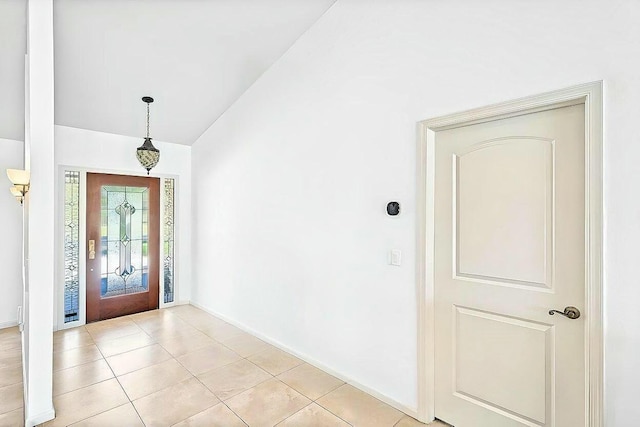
246 359
96 414
330 411
219 401
306 406
173 336
227 347
13 384
69 332
114 375
127 351
121 336
242 391
106 328
309 397
396 424
289 416
180 355
138 369
160 389
63 331
12 410
215 342
202 373
135 349
292 368
139 321
206 409
121 388
331 391
80 364
75 348
107 323
200 328
13 366
82 388
137 413
141 331
314 401
234 412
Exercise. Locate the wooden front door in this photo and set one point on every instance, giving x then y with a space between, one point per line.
123 245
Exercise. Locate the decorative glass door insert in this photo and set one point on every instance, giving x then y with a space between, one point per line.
124 240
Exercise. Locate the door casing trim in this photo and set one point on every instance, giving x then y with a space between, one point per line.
589 94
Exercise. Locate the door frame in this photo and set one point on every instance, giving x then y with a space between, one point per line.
58 315
589 94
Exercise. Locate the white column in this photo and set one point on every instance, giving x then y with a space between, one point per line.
39 214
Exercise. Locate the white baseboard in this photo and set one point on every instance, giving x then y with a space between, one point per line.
40 418
380 396
8 324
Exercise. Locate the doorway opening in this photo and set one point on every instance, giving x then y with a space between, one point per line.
117 245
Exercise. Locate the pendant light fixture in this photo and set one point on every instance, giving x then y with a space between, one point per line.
147 154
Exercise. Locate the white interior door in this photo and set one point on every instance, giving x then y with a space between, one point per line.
510 246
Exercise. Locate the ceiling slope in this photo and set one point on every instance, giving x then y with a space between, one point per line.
195 57
13 45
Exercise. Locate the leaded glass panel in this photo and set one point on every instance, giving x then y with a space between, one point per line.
124 241
71 245
168 239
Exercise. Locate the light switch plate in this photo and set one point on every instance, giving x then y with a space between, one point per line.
395 257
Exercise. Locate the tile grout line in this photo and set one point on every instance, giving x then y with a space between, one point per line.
192 376
200 381
329 410
121 388
219 401
118 380
273 376
219 367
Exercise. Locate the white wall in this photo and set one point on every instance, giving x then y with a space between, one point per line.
110 153
294 178
11 157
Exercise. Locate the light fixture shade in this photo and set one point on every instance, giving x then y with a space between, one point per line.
148 155
15 192
18 176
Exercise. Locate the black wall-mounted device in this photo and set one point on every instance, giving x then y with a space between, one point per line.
393 208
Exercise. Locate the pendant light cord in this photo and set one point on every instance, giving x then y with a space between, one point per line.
147 120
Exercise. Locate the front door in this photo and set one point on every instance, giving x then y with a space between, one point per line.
123 252
509 247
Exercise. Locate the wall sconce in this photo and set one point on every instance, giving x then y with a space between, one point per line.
20 181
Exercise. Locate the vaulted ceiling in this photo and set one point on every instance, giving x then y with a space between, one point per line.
13 45
195 57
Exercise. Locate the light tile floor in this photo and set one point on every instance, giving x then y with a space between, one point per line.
11 391
183 367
